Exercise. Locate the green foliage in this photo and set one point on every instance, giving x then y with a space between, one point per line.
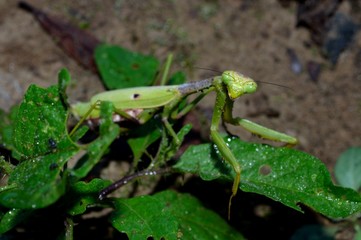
40 178
177 78
283 174
82 195
142 137
37 182
348 168
6 127
121 68
169 215
13 217
41 117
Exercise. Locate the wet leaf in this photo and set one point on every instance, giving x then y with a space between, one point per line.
41 141
169 215
283 174
37 182
41 179
41 117
11 218
85 194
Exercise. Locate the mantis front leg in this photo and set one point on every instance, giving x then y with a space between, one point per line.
221 101
223 109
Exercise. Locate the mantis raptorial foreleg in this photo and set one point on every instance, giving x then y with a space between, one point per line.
221 100
223 110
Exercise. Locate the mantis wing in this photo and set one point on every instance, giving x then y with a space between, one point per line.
129 98
139 97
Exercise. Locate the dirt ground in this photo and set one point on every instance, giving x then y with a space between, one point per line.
251 37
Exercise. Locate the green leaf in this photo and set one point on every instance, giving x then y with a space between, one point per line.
11 218
348 168
40 180
177 78
109 131
5 166
142 137
40 121
40 137
37 182
121 68
64 80
283 174
7 126
169 215
85 194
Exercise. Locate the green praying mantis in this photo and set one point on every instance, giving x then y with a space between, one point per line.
141 103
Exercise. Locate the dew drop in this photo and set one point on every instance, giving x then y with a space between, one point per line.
11 212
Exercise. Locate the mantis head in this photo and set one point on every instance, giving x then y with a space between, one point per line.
238 84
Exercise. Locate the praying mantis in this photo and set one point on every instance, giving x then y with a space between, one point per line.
141 103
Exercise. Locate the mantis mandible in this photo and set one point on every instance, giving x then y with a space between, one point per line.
228 87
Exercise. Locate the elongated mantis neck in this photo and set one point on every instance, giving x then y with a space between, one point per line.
193 87
235 84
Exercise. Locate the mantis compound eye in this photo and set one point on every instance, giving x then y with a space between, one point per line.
250 87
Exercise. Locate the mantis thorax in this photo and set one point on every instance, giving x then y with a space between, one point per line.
238 84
